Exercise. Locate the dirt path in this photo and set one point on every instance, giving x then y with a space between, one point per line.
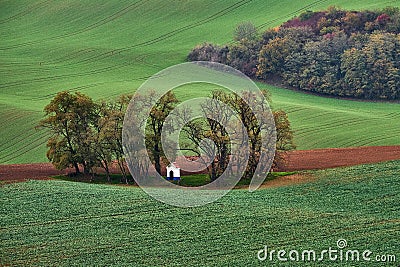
296 161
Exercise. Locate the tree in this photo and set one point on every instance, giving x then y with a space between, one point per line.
253 128
353 22
284 137
317 66
243 56
245 30
209 52
273 56
102 145
69 118
155 123
85 133
218 115
372 70
197 130
108 138
215 155
394 23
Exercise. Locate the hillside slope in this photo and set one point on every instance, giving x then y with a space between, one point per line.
110 47
59 223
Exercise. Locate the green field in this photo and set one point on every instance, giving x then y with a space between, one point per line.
110 47
61 223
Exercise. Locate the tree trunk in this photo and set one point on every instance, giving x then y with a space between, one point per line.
123 171
107 171
213 172
157 158
86 170
77 171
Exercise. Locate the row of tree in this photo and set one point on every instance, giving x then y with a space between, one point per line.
336 52
86 134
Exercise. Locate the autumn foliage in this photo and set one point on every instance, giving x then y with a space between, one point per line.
332 52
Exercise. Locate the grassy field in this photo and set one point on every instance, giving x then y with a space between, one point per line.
110 47
321 122
61 223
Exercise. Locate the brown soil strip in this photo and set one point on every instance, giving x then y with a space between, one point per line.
339 157
296 161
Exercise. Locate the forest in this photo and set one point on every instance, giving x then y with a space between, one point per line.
335 52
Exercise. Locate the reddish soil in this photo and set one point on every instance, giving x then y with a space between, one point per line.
296 161
339 157
22 172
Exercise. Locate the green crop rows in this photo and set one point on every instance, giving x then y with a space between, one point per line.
60 223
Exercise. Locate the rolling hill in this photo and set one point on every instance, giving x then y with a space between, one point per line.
105 48
60 223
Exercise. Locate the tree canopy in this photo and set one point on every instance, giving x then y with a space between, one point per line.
333 52
84 133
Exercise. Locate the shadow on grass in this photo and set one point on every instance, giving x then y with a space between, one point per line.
193 180
96 179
